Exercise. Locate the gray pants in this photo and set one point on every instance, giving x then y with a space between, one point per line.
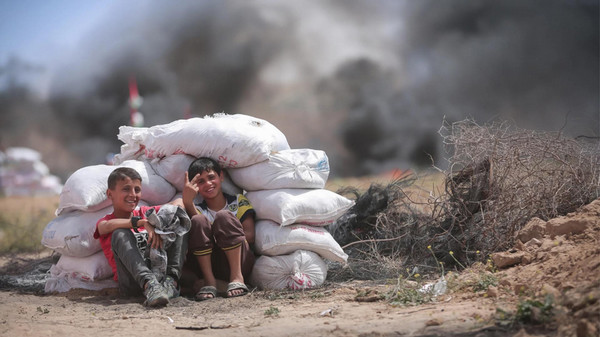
133 270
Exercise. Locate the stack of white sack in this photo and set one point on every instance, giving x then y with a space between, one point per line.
23 173
160 154
292 207
82 203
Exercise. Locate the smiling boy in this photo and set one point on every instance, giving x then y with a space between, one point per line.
222 230
126 233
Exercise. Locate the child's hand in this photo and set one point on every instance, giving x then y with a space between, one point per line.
190 190
154 240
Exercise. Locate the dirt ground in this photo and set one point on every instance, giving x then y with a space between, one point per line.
562 259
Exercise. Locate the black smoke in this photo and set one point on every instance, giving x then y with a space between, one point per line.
372 82
533 62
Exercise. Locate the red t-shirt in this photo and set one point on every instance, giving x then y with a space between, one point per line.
105 240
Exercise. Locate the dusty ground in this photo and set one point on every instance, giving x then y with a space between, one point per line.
566 266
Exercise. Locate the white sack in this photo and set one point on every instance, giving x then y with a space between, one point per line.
272 239
51 184
315 207
295 168
85 190
155 189
22 154
172 168
89 268
232 140
299 270
72 234
91 272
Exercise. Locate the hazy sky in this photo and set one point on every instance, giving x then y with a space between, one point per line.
36 29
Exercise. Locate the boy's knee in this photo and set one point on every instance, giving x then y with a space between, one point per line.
199 220
200 224
224 216
226 224
120 234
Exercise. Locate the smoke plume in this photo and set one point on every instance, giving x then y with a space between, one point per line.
369 82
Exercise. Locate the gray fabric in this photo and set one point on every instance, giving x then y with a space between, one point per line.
170 222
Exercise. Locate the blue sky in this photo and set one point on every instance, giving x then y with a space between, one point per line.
38 30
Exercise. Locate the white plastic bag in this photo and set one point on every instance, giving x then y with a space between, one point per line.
272 239
85 190
92 272
315 207
72 234
232 140
295 168
299 270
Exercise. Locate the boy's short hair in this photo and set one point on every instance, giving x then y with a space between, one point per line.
203 164
121 173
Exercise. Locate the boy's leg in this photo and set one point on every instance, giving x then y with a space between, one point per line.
200 245
176 256
125 250
230 237
128 286
175 259
221 267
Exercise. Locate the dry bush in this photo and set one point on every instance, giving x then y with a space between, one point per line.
379 233
499 177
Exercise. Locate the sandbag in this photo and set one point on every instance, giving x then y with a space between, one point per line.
315 207
22 173
89 268
72 234
232 140
92 272
85 190
272 239
23 154
295 168
299 270
172 168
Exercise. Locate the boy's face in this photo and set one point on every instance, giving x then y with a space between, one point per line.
126 195
209 184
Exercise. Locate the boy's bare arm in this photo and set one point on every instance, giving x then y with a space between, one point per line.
248 225
109 226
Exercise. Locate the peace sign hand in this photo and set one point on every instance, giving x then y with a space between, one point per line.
190 190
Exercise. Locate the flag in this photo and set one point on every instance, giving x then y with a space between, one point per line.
135 101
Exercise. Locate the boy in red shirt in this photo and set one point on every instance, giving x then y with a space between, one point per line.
126 233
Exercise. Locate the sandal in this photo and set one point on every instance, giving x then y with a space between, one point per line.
206 290
237 286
